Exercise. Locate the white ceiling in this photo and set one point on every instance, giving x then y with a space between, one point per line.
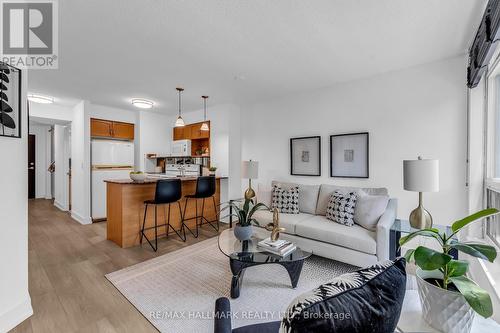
111 51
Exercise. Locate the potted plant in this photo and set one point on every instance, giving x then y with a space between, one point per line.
212 170
244 214
449 298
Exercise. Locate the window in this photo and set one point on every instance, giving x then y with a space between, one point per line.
493 223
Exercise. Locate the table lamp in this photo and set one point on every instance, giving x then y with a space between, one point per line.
421 176
250 170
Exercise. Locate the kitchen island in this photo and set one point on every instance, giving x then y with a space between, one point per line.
125 209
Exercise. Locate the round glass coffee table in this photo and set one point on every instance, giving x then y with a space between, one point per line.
244 254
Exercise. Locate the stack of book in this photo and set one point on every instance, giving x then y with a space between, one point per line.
280 247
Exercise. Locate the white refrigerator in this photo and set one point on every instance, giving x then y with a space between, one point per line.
111 159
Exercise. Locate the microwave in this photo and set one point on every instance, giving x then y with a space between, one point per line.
181 148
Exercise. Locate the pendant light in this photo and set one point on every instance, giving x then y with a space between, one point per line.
204 126
179 122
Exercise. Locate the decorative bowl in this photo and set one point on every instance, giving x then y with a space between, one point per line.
138 177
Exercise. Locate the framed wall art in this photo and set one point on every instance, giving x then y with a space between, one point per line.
305 156
349 155
10 101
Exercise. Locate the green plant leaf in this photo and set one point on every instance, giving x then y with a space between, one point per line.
457 225
424 232
430 260
457 267
409 255
477 250
478 298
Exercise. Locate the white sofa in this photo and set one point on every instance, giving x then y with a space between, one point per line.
311 231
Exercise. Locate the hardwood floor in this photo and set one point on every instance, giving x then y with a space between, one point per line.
67 264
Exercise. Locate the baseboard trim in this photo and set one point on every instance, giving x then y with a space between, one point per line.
16 315
80 219
60 206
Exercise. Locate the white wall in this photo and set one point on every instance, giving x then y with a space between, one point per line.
225 144
15 301
61 158
42 160
153 135
416 111
80 165
51 111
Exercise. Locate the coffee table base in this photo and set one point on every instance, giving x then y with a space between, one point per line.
294 268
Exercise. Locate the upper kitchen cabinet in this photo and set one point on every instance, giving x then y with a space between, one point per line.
182 133
123 131
101 128
196 133
191 132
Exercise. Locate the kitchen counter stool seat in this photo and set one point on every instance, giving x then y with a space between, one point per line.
205 188
168 191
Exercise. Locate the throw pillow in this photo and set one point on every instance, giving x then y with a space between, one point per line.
340 208
367 300
369 209
287 201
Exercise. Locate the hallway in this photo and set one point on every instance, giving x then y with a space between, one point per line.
67 264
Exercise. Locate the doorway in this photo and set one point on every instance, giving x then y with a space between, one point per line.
31 166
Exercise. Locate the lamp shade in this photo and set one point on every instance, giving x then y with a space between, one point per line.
250 169
421 175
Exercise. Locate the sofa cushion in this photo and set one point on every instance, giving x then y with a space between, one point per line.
286 200
341 208
287 221
326 190
308 195
355 237
367 300
369 209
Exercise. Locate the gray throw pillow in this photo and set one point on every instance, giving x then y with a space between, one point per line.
369 209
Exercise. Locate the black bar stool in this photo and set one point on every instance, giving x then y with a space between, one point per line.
167 192
205 188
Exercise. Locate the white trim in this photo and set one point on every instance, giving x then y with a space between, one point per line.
16 315
80 219
60 206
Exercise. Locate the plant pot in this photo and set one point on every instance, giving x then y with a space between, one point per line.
212 173
243 233
444 310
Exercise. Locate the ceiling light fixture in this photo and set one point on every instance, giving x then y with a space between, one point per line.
40 99
179 122
142 103
204 126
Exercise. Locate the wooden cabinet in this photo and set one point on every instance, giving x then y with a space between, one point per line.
196 133
191 132
180 133
111 129
123 131
101 128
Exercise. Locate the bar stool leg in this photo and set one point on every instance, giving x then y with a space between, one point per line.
143 223
156 228
168 226
184 225
182 221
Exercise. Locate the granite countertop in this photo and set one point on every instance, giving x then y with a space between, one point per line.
152 180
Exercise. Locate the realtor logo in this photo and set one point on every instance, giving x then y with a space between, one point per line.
29 33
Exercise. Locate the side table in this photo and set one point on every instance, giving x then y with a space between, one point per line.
403 227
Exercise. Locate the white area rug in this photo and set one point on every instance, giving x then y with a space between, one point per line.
177 291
